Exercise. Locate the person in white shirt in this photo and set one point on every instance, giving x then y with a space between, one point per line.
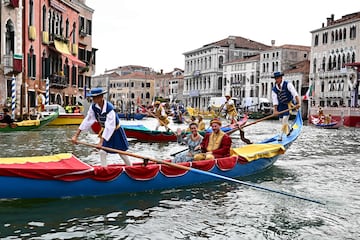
111 135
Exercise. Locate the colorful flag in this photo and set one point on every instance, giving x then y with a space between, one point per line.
309 93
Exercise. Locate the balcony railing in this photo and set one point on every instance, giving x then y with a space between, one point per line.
57 81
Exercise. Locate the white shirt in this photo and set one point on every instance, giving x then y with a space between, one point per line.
110 123
290 87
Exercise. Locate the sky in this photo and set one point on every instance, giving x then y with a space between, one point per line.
156 33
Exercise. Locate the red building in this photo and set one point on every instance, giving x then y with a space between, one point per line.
57 50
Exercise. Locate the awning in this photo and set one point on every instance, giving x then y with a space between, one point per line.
63 48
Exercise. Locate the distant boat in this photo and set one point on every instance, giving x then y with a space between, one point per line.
137 116
142 133
64 117
28 125
321 124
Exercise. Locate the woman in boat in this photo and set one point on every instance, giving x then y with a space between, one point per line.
216 144
192 140
111 135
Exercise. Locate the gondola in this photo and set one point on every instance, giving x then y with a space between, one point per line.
65 175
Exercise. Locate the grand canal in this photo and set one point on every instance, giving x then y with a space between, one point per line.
322 165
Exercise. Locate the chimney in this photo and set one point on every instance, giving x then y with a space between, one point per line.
272 43
330 20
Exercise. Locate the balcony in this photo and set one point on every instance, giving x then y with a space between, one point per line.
12 64
57 81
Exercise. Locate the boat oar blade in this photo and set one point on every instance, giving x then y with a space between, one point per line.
254 186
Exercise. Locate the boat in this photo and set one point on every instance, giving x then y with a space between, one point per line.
143 134
136 116
321 123
65 175
28 125
347 116
64 117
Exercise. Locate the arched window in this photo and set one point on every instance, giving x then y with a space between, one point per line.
221 62
9 38
219 83
44 18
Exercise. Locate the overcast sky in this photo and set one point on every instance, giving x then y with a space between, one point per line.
156 33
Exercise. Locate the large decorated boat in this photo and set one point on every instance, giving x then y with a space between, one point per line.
65 175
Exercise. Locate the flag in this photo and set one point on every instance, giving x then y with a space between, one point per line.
309 93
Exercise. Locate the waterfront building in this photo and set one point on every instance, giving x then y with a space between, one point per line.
203 74
241 77
334 63
284 59
169 86
11 54
51 46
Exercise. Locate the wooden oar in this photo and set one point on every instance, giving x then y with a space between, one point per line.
173 154
267 117
199 171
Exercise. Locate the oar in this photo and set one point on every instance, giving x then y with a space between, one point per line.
200 172
267 117
173 154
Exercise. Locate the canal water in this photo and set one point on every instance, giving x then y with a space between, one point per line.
322 165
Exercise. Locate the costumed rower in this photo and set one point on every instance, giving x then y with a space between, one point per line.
160 113
232 114
283 96
112 135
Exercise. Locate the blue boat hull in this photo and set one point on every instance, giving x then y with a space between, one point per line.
25 187
16 187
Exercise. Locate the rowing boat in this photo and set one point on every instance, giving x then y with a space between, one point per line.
28 125
65 175
144 134
320 123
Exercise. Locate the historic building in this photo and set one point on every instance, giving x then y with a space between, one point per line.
49 43
334 46
203 74
11 53
282 58
241 77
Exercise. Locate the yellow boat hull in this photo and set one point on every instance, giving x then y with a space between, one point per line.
67 119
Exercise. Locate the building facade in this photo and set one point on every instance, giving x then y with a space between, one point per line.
285 59
11 54
48 49
203 74
334 46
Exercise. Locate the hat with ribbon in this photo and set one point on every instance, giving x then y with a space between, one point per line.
215 120
277 74
96 92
